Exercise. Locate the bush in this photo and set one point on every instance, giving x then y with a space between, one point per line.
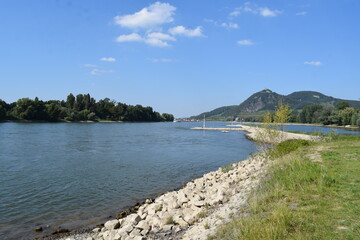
288 146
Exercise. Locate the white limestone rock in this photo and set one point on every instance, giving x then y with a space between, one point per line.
112 224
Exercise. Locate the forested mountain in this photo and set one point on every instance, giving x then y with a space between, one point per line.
256 104
80 108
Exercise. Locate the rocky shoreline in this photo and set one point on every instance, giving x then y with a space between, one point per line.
192 212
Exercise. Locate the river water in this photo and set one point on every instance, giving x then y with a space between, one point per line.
77 174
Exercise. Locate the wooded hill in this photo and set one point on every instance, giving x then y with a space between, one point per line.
266 100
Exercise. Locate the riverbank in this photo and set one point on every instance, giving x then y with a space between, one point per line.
309 124
203 204
265 135
192 212
311 193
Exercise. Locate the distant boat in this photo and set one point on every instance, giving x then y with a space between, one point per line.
224 131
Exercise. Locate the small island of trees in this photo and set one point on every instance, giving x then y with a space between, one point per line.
83 107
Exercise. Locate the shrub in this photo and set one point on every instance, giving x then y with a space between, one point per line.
288 146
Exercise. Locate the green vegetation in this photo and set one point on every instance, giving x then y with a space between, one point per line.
287 146
327 114
80 108
206 226
282 113
169 220
202 214
269 132
312 191
227 168
308 106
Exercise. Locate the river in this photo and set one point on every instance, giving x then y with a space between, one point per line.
77 174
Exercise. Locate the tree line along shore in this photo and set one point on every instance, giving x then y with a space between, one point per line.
339 114
81 107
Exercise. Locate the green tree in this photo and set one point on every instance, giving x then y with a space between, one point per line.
267 118
28 109
103 109
342 105
168 117
282 114
346 115
79 104
3 110
70 101
311 113
54 111
355 119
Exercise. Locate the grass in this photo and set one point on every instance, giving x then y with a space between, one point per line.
202 214
206 226
332 135
158 208
169 220
287 146
305 199
227 168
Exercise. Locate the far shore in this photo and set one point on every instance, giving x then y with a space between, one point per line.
64 121
308 124
232 122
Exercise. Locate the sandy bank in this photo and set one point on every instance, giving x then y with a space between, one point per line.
259 134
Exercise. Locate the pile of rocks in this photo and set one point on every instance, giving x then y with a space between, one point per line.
182 213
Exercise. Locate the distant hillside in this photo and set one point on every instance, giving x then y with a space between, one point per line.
266 100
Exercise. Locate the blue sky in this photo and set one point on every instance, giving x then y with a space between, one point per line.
182 57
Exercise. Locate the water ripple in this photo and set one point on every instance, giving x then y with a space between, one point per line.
70 173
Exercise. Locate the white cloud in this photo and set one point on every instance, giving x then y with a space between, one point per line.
89 65
133 37
99 71
229 25
156 42
156 39
301 13
266 12
245 42
236 12
249 7
154 15
108 59
161 36
146 25
314 63
163 60
181 30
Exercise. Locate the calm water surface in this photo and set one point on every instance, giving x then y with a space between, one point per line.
74 174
